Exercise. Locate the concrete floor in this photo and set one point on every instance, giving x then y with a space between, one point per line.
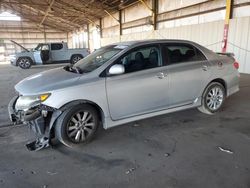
9 77
171 151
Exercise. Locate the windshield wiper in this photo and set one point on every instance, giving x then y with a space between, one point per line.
77 69
74 69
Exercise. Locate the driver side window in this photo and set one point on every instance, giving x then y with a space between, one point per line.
45 47
41 47
141 59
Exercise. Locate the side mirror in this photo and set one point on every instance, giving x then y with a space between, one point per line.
116 69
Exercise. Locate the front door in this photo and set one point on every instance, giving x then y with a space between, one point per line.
42 54
143 88
37 57
37 54
188 73
45 54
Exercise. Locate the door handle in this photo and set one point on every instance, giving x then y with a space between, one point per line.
161 75
204 67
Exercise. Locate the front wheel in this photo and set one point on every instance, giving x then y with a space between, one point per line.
77 125
24 62
213 98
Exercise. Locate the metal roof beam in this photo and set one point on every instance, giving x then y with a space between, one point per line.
47 12
112 16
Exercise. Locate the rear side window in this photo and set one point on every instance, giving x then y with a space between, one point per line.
200 56
180 53
56 46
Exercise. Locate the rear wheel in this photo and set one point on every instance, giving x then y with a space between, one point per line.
213 98
75 59
77 125
24 62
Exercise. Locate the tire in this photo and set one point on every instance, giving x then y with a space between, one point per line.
213 98
75 58
24 62
71 130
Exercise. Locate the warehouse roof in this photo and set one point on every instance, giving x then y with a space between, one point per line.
63 14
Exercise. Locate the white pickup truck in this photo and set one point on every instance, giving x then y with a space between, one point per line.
47 53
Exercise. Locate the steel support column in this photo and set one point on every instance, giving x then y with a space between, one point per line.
155 12
100 27
228 16
88 36
120 22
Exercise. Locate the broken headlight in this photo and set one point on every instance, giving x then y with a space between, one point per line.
27 102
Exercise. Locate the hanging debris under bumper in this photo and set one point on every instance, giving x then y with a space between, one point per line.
39 118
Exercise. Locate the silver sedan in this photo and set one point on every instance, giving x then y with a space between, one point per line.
121 83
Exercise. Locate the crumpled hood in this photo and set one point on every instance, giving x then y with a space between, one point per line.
46 81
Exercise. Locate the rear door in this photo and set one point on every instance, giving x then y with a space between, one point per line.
57 52
188 72
143 88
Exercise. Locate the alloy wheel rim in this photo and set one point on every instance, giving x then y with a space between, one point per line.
24 63
80 126
76 59
214 98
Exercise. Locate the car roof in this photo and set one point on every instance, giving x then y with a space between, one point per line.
141 42
208 53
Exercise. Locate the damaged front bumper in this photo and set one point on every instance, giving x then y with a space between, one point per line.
40 119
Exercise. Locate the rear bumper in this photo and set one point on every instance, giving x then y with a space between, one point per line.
232 83
232 90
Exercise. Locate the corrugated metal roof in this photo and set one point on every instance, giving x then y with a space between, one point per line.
63 14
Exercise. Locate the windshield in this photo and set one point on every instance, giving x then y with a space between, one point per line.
98 58
38 48
41 47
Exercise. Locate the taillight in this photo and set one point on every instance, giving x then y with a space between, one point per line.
236 65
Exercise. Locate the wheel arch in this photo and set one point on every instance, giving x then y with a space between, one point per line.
221 81
73 55
202 108
91 103
76 55
58 113
32 61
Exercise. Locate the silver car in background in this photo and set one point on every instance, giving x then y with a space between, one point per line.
47 53
121 83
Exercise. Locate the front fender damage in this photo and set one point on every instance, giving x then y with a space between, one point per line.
43 131
40 119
